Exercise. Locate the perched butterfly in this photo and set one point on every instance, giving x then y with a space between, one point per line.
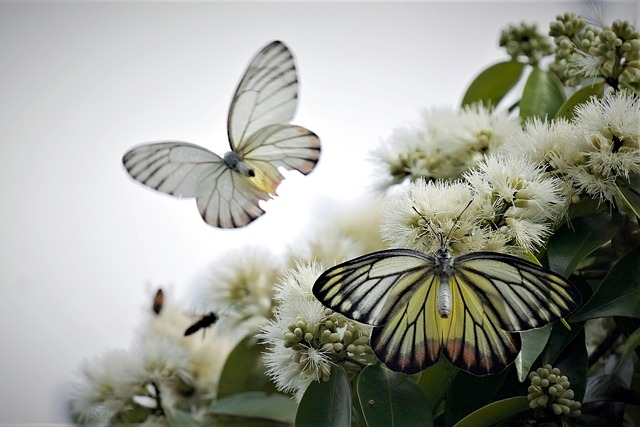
158 301
204 322
466 307
228 189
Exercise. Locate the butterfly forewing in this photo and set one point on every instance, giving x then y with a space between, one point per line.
172 167
361 289
267 94
521 294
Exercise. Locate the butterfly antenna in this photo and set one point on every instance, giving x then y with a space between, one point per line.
439 235
455 221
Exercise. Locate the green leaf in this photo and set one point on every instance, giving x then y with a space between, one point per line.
179 418
628 195
254 408
572 242
326 404
469 393
492 84
629 346
609 388
619 292
495 412
434 382
391 399
567 351
533 342
542 96
580 96
244 370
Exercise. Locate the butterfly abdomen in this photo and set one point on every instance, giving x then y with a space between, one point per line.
444 268
235 162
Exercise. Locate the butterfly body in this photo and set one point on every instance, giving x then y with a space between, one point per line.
466 308
228 189
444 266
235 163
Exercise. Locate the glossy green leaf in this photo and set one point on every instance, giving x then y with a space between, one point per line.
179 418
567 351
326 404
495 412
435 381
469 393
492 84
542 96
533 342
572 242
619 292
254 408
580 96
391 399
244 370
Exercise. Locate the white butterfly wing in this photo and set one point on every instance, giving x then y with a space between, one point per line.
274 146
225 199
267 94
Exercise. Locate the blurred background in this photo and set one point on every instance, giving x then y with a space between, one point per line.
83 247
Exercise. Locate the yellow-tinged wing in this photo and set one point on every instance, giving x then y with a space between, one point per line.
396 291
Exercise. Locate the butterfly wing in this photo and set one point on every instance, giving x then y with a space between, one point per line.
267 94
520 294
225 198
395 291
262 107
288 146
492 295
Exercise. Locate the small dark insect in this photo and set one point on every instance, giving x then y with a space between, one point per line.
158 300
204 322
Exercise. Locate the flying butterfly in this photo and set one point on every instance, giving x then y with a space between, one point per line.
469 307
204 322
228 189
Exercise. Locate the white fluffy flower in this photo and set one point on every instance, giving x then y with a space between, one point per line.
526 203
306 339
611 129
444 145
239 288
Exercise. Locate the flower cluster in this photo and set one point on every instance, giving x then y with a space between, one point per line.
305 339
525 41
583 51
550 390
594 153
164 370
511 206
444 146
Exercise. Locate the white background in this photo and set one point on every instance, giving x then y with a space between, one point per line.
83 247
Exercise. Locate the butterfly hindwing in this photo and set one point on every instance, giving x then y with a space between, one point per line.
274 146
228 199
173 168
